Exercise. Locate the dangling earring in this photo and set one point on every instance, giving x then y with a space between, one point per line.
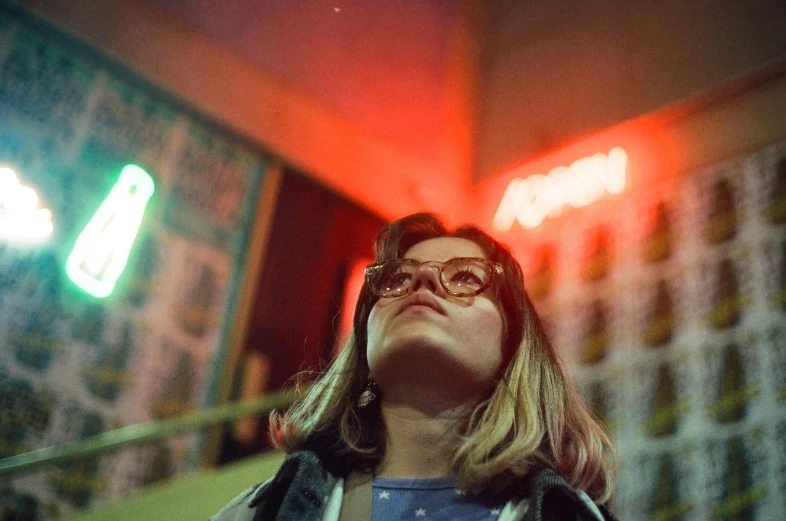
368 395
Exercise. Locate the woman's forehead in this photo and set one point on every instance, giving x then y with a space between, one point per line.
442 249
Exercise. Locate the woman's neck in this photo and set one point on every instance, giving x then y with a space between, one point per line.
420 443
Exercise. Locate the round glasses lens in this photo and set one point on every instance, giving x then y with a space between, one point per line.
465 276
393 277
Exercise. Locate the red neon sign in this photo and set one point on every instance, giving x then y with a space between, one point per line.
532 199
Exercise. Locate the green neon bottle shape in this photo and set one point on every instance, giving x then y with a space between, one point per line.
101 251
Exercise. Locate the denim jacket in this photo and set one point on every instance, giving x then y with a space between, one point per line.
303 490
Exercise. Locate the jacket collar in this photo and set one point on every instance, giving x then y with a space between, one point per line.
298 491
549 493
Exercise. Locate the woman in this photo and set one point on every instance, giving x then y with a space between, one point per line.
447 402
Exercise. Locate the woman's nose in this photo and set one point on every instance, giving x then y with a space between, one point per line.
428 276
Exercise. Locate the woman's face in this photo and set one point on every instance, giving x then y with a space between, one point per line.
428 335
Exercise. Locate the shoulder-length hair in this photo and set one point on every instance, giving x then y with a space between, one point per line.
531 418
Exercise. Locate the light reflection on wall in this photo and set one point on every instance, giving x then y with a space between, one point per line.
21 220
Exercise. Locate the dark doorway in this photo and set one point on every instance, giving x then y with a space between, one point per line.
315 240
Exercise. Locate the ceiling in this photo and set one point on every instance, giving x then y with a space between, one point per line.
403 105
523 77
382 65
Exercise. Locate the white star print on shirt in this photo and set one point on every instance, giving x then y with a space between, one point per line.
421 512
384 495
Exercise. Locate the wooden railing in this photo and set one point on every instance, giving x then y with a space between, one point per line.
145 432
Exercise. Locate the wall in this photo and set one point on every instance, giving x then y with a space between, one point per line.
668 302
124 313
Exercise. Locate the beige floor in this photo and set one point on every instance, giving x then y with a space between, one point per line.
192 497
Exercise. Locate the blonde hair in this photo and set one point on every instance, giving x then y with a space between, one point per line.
532 418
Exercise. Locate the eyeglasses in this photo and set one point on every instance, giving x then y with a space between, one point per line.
460 277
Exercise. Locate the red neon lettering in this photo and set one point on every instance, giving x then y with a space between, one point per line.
532 199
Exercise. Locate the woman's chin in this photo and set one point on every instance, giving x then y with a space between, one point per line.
422 363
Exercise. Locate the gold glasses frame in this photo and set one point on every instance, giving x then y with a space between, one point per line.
495 268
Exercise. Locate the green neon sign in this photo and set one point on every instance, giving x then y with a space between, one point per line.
101 251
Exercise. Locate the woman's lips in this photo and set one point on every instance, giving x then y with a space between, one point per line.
419 301
420 307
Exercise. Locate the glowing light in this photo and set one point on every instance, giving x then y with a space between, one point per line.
21 220
352 287
534 198
101 251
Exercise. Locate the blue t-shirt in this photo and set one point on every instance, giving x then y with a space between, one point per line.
433 499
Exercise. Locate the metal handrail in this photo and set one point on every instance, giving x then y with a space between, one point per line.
145 432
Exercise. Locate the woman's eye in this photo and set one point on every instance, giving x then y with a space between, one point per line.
466 277
399 279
